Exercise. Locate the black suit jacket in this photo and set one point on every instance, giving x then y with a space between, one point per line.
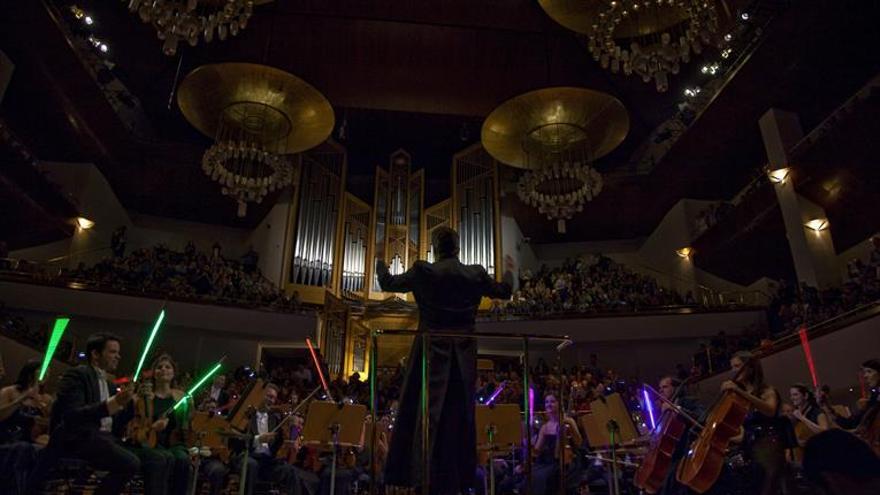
253 431
78 408
448 292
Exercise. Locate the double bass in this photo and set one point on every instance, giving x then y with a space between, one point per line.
702 466
654 468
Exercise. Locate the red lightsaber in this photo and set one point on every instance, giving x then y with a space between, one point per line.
805 343
318 367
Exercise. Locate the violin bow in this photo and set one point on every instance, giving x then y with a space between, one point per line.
675 407
296 409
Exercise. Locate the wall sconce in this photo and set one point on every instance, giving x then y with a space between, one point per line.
684 252
817 224
84 223
779 175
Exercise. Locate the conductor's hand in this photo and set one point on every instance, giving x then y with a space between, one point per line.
267 437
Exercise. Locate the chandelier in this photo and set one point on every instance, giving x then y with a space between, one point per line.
561 180
247 159
190 20
650 38
555 134
258 116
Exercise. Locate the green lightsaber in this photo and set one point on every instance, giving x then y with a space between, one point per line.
199 383
54 340
147 347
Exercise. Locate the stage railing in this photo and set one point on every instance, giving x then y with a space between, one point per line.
562 341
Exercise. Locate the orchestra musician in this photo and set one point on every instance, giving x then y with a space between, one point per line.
169 428
448 294
263 442
669 387
86 408
865 422
216 397
765 437
808 417
549 447
838 463
22 409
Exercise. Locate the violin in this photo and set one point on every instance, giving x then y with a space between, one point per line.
140 428
700 469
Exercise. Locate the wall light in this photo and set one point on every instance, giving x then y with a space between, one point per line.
817 224
84 223
779 175
684 252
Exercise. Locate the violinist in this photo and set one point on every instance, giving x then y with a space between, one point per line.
169 425
766 432
548 447
807 416
217 396
22 404
21 407
263 444
83 416
866 420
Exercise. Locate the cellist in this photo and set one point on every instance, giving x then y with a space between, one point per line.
670 389
765 435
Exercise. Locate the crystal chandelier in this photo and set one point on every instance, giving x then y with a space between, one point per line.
555 134
651 38
258 116
560 180
189 20
245 158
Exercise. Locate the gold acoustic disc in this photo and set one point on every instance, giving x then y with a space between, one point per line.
598 119
297 114
581 15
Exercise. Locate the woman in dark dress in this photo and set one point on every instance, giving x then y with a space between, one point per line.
766 433
169 429
22 407
545 471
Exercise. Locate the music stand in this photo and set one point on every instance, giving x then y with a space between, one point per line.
609 424
334 425
602 411
497 425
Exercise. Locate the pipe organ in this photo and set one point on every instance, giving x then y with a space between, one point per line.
334 225
475 207
337 237
398 212
318 211
356 239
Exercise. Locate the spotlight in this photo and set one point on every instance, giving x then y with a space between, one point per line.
817 224
779 175
744 16
726 52
728 37
88 20
84 223
103 47
692 92
684 252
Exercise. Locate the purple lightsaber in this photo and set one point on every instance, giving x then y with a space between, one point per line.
496 393
650 408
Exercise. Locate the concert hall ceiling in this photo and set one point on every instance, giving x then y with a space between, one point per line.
421 75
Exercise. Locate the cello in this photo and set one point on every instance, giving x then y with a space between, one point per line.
655 466
702 466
